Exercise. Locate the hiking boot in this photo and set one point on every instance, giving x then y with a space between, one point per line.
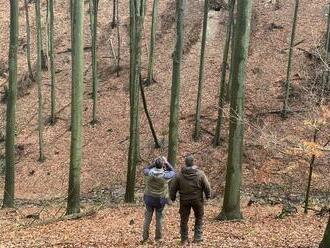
197 241
144 241
159 241
184 242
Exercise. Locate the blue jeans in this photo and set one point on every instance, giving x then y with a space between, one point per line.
147 220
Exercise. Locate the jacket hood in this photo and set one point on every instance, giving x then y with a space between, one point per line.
190 173
156 172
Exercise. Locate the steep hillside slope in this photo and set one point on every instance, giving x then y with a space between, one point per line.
105 145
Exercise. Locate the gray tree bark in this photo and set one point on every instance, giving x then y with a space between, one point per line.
28 38
93 10
137 12
150 78
197 130
9 189
51 55
231 204
39 81
288 72
175 90
221 103
73 204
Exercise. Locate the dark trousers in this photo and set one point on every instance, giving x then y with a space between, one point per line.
185 207
147 220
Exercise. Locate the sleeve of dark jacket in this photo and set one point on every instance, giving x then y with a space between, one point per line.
174 187
206 186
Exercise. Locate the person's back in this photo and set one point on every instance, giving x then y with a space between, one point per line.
192 184
156 182
157 176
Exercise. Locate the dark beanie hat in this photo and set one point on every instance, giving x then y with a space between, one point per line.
159 163
189 160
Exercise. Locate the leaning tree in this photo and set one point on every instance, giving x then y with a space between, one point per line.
9 189
231 203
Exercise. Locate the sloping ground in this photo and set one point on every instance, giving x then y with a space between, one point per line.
120 226
268 170
105 146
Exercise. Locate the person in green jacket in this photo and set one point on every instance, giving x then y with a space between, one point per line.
192 185
157 176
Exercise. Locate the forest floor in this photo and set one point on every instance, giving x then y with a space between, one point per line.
120 225
275 165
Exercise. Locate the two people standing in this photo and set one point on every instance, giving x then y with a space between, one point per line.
191 183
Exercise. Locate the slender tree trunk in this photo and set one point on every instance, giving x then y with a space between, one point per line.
311 166
175 90
325 243
9 189
28 38
93 6
137 11
114 9
73 205
39 81
52 62
222 86
231 204
118 40
228 88
197 130
327 43
144 101
288 72
154 22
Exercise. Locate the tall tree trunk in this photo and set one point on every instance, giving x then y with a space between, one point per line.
114 15
221 102
9 191
39 81
325 243
197 130
52 62
28 38
118 40
150 78
327 42
137 11
93 9
175 90
288 72
231 204
73 205
228 88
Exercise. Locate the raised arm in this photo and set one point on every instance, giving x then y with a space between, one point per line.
169 172
147 169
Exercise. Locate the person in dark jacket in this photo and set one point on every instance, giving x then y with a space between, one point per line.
157 177
191 183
